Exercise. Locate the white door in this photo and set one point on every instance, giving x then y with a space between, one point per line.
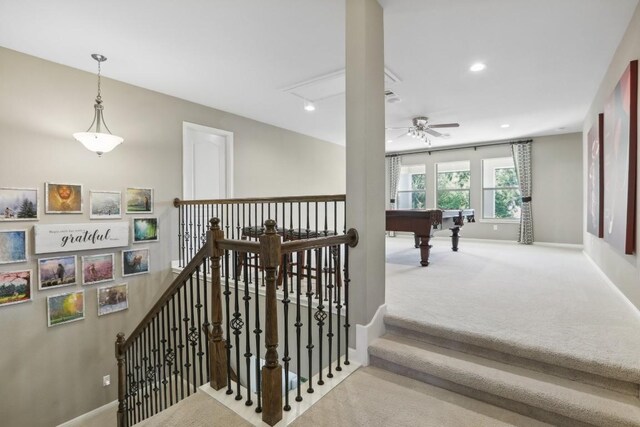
207 155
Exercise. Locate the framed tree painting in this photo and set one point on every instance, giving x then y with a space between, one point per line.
63 198
105 204
18 204
595 178
135 261
97 268
139 200
13 246
57 271
145 230
113 298
620 161
65 308
15 287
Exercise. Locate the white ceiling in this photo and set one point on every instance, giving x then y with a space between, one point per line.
545 58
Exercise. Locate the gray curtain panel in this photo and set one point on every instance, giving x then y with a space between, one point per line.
522 161
394 174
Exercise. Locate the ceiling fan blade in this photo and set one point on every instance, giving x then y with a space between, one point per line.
445 125
432 132
397 128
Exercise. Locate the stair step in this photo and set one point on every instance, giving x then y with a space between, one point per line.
624 379
625 387
545 397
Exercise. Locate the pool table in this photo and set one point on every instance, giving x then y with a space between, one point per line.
422 224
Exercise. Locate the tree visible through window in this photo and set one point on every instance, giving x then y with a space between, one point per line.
453 185
501 195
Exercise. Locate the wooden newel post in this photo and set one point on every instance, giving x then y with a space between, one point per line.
122 375
272 370
217 352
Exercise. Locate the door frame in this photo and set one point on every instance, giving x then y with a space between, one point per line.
187 160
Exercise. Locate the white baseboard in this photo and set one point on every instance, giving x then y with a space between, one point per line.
560 245
366 334
611 284
85 418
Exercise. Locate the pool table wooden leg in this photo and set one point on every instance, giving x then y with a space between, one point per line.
424 249
454 238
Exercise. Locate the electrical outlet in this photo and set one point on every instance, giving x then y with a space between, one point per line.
106 380
495 227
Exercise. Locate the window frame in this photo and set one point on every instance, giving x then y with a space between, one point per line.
483 190
412 191
467 189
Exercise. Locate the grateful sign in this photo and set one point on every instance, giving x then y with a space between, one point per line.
80 237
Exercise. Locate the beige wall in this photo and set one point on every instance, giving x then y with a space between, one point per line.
556 188
623 270
50 375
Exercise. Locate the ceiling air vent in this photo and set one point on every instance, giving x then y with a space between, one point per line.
391 97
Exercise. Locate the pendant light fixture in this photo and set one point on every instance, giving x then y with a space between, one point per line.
96 140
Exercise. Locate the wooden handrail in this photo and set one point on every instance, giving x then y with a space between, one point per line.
351 238
166 296
177 202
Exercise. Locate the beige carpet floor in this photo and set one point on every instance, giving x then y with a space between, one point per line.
547 299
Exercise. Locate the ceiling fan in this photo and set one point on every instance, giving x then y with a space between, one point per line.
421 128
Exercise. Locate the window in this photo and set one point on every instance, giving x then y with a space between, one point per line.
453 185
412 192
501 194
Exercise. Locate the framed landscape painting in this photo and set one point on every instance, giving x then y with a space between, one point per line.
65 308
13 246
63 198
56 272
139 200
113 298
105 204
620 161
15 287
145 230
18 204
595 178
135 261
97 268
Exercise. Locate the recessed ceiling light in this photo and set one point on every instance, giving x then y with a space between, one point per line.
389 140
308 106
504 126
478 66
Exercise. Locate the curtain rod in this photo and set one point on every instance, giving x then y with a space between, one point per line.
460 147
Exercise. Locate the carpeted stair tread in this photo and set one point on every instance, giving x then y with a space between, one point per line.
569 399
557 357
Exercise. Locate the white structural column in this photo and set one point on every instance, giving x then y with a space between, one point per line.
365 156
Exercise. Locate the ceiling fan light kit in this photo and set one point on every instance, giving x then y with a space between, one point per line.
421 129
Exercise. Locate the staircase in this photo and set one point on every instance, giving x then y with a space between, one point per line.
559 392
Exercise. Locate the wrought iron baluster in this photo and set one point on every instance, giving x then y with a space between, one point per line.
346 304
285 308
202 327
194 336
163 362
181 236
247 353
338 268
228 345
320 317
169 353
176 345
237 324
179 322
309 323
187 340
298 326
257 331
158 366
330 286
137 390
145 340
